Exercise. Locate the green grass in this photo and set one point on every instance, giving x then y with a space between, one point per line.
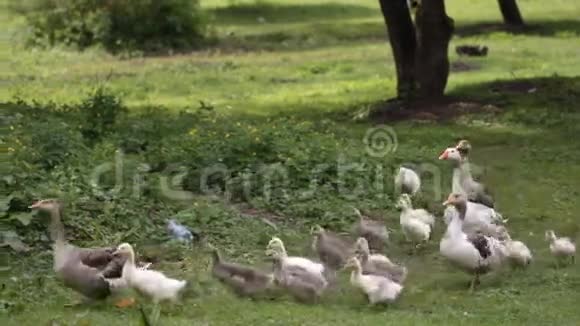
319 60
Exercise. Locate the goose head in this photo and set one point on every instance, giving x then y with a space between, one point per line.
451 154
276 246
317 230
464 147
353 264
125 250
358 213
404 202
46 205
459 201
550 235
502 233
274 255
362 247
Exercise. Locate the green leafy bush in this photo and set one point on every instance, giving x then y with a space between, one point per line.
48 143
99 112
148 25
285 165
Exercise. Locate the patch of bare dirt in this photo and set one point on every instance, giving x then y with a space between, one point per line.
264 216
428 110
514 87
462 66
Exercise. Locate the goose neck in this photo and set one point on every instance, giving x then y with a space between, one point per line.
129 266
56 226
356 274
282 252
131 258
364 256
456 224
217 259
457 180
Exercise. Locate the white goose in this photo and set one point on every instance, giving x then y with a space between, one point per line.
561 247
518 253
299 282
476 254
276 245
377 264
151 283
407 181
463 182
378 289
478 217
375 232
416 224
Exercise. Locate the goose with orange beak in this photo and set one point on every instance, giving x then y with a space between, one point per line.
463 181
87 271
475 254
478 217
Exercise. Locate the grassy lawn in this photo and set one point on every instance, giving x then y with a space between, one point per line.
305 64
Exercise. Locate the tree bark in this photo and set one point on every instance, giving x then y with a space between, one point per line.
403 42
433 31
510 12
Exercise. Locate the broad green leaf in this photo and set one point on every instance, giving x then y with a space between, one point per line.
23 218
5 203
11 238
9 179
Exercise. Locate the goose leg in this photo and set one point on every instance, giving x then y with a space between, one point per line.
474 283
81 302
155 314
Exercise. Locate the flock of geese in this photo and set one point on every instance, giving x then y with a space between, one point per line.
476 241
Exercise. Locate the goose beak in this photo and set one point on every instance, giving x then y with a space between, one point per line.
446 203
444 155
34 205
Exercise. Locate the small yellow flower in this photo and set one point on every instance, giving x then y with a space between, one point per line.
11 127
227 135
192 132
10 149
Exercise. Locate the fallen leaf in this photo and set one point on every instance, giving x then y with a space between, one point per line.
124 303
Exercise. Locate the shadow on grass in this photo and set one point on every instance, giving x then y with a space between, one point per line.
557 95
272 13
534 28
309 36
542 103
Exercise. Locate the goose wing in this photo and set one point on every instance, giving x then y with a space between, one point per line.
481 243
96 257
85 279
298 274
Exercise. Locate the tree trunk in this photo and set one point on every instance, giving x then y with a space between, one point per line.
510 12
403 42
434 30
